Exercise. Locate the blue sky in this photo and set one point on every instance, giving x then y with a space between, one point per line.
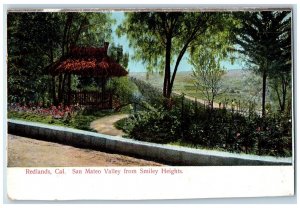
138 66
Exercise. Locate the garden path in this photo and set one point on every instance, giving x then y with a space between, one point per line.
105 125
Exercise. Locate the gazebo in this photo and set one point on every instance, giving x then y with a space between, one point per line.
88 62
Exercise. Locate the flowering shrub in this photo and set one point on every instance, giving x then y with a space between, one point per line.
56 112
69 116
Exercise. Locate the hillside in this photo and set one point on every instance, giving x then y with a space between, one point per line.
236 84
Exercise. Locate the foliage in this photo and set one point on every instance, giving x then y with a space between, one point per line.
207 53
37 39
160 38
208 74
120 124
212 130
149 94
123 88
153 126
116 52
72 116
189 124
264 39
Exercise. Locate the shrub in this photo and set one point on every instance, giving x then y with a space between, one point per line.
213 129
120 124
123 88
151 95
153 126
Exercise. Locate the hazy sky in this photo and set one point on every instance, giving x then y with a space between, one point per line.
134 66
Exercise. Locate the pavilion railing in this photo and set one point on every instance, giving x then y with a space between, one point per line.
98 99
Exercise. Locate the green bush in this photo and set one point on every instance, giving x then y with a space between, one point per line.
212 129
123 88
192 125
153 126
150 94
120 124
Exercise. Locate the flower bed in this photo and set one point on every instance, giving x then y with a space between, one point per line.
74 116
57 112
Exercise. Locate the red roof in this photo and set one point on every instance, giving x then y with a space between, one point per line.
88 61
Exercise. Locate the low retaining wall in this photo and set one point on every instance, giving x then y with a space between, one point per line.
167 154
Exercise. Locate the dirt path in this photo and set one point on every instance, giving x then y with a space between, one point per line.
105 125
26 152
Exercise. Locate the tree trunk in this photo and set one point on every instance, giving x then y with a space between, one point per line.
284 90
182 52
65 40
278 97
53 83
264 93
63 89
54 98
61 78
166 88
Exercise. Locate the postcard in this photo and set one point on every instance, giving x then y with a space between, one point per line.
166 103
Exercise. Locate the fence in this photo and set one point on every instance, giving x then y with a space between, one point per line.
99 99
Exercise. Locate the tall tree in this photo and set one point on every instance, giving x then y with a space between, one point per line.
258 37
161 39
282 65
37 39
31 39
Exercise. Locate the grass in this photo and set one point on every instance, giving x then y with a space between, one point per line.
120 123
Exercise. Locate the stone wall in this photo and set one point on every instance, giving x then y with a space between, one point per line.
168 154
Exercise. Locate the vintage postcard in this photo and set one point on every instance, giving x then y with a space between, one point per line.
165 103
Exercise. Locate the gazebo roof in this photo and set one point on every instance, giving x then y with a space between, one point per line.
88 61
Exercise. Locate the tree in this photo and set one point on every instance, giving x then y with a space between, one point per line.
282 65
31 39
37 39
208 74
82 29
206 55
162 38
116 52
258 37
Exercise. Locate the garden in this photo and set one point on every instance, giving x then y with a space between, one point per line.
75 76
191 124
